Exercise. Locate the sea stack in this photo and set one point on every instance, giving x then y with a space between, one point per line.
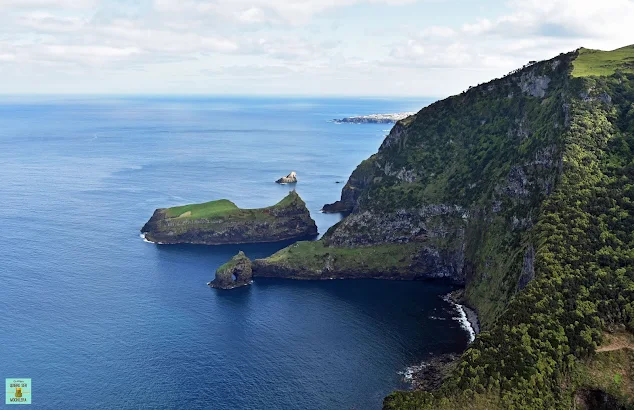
222 222
288 179
235 273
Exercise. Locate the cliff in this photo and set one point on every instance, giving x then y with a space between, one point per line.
520 188
222 222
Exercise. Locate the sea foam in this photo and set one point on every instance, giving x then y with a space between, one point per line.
142 235
410 371
461 318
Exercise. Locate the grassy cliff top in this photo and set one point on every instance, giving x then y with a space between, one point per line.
603 63
233 262
223 208
312 254
211 209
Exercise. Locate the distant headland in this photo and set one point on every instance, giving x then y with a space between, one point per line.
374 118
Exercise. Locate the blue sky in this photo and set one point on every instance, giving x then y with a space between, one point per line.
290 47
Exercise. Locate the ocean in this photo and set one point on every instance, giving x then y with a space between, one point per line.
98 318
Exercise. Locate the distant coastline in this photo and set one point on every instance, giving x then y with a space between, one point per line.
374 118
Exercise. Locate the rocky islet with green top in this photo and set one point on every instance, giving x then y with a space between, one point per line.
222 222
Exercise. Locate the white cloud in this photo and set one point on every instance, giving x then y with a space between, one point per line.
258 11
50 23
67 4
533 30
7 57
252 15
296 45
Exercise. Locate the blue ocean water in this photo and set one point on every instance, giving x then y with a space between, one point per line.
97 318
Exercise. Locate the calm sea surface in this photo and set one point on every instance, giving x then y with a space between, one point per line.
97 318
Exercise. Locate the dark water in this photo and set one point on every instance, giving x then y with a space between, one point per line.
99 319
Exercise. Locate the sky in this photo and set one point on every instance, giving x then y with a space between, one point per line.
431 48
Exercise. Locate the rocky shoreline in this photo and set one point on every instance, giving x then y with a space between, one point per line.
429 374
457 297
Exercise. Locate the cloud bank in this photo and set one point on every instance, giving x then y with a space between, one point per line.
362 47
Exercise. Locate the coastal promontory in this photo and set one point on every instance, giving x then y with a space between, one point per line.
223 222
522 190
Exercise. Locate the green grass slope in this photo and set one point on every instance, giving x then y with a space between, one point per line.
224 208
211 209
313 260
603 63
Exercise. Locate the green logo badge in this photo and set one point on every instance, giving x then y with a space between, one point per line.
18 391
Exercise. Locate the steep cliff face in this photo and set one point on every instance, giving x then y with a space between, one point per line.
521 188
466 176
562 281
222 222
462 181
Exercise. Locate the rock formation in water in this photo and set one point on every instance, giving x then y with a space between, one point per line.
288 179
237 272
222 222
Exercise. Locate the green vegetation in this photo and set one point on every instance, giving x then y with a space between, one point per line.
225 208
540 349
211 209
604 63
531 178
231 264
493 151
311 259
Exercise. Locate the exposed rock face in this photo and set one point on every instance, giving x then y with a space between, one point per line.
402 225
358 181
288 219
430 374
237 272
288 179
528 268
534 85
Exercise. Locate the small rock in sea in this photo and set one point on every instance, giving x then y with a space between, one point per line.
235 273
288 179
